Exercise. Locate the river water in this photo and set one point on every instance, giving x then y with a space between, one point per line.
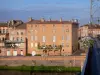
32 73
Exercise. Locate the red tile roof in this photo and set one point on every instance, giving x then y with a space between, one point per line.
93 26
21 26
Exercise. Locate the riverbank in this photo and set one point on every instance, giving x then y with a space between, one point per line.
41 68
68 61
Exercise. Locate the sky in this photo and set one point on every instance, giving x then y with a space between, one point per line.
54 9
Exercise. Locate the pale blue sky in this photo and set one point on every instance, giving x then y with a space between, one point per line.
23 9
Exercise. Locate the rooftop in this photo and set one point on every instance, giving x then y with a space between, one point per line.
94 26
21 26
42 21
3 24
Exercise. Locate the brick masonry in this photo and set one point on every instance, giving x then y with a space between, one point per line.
46 61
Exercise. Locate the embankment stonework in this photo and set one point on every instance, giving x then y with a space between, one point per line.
40 60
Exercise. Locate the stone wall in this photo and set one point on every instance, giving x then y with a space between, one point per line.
46 61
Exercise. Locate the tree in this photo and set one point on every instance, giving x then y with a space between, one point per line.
60 48
49 48
39 47
86 43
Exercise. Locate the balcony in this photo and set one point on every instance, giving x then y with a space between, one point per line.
13 44
9 41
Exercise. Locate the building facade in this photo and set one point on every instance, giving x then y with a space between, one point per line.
3 37
15 44
42 33
89 30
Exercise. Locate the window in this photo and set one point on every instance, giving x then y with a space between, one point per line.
13 38
53 45
35 31
21 33
67 45
31 45
3 30
67 38
44 39
21 39
35 38
17 38
36 44
43 28
62 38
54 31
53 25
0 39
63 25
62 44
17 33
32 38
31 25
35 25
0 30
6 30
54 38
31 31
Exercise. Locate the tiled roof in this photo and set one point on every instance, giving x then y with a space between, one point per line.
93 26
21 26
15 23
50 22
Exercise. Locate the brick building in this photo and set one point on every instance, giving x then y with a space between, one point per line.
89 30
3 34
16 44
52 33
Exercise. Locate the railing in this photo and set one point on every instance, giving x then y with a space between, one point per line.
92 62
9 41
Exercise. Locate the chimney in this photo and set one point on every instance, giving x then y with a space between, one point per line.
42 20
60 19
30 19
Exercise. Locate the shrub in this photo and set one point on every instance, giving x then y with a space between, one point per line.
28 54
38 55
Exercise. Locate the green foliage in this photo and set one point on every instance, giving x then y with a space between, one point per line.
39 47
87 43
28 54
38 55
42 68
